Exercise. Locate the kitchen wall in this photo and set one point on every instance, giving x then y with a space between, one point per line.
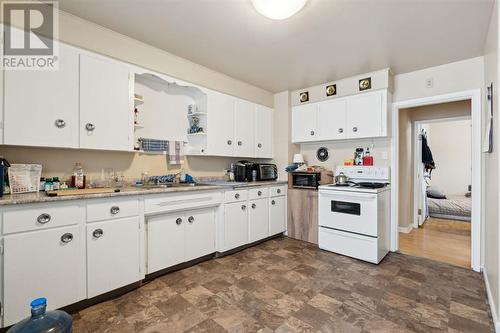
407 117
450 142
380 149
283 148
490 174
84 34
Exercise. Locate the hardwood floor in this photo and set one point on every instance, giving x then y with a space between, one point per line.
442 240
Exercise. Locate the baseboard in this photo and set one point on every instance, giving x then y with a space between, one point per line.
492 304
405 230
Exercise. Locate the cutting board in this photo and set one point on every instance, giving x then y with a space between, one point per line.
62 193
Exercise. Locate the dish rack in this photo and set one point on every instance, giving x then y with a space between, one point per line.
24 178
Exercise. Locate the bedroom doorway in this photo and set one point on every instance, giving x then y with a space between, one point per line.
402 181
441 228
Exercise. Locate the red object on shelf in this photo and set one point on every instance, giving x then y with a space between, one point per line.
368 160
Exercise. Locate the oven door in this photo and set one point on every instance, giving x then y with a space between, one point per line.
348 211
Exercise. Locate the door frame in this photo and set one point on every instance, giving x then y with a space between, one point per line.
417 154
474 96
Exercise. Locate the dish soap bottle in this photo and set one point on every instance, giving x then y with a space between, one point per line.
56 321
78 178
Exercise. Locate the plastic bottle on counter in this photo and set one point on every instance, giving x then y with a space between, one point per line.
78 177
49 185
367 159
55 183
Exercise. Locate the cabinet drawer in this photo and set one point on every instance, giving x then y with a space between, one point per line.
43 216
236 195
278 190
112 208
258 193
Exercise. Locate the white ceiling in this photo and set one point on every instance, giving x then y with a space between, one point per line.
327 40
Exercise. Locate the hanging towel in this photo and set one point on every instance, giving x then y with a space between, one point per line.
176 152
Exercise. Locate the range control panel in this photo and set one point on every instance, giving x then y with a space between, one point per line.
374 173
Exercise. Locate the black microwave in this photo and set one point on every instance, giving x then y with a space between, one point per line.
310 180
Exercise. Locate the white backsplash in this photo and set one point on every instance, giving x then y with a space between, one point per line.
338 151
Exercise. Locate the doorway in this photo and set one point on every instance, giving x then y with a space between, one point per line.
438 227
474 98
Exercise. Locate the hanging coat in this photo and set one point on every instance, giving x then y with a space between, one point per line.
427 158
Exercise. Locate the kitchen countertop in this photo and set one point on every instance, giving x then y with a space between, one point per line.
38 197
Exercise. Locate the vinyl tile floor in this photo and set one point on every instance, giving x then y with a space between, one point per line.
285 285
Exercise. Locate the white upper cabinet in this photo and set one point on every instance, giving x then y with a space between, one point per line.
220 119
244 127
365 115
41 107
358 116
304 123
264 132
332 119
105 104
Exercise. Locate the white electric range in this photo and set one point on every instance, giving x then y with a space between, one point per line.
355 220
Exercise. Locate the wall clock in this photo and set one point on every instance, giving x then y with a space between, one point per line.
322 154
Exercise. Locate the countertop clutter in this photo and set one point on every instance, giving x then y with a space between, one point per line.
37 197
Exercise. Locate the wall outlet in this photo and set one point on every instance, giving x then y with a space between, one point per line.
385 155
429 83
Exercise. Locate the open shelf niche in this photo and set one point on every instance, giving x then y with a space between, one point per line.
167 110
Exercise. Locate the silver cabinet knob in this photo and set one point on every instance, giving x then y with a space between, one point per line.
178 221
259 145
90 127
354 129
341 130
312 132
67 237
97 233
229 142
278 191
240 143
273 202
191 219
60 123
237 196
259 193
114 210
243 207
43 218
254 206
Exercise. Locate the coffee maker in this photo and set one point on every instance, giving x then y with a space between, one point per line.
243 171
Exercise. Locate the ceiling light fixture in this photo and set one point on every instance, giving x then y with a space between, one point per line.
278 9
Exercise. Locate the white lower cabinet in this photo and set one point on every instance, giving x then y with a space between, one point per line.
175 238
258 219
235 225
112 255
47 263
277 215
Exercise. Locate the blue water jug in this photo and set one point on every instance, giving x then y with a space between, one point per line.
56 321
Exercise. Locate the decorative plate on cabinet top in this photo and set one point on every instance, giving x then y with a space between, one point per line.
304 96
365 84
331 90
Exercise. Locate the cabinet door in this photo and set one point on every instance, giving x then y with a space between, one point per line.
112 255
44 263
166 241
235 225
200 233
244 127
41 107
277 215
364 115
304 123
263 132
105 104
332 119
220 129
258 219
